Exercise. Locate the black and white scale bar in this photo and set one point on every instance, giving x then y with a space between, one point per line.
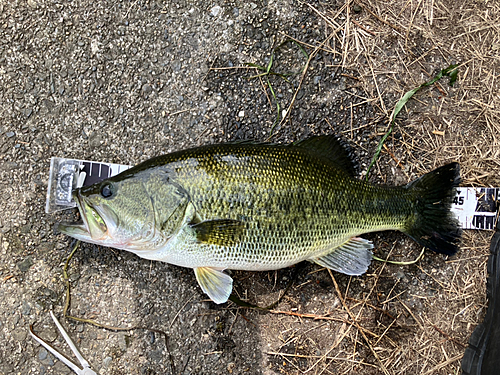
96 172
476 208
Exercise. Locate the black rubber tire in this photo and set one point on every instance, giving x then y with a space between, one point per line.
482 356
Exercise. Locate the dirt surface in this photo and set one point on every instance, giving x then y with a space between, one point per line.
122 81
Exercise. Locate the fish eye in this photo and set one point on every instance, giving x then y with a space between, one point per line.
107 190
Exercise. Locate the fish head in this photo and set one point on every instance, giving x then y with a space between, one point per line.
115 212
135 212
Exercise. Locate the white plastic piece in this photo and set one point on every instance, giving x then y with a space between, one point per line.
65 175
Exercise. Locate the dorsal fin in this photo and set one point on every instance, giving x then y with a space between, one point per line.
332 148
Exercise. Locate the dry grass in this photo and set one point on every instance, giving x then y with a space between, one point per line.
395 46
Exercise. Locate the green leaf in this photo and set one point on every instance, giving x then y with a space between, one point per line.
270 64
278 107
453 76
450 71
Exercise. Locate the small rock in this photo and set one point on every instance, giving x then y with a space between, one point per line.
95 140
106 362
122 343
215 11
399 275
146 90
25 264
19 334
26 308
241 114
26 228
357 8
42 354
10 134
28 111
156 355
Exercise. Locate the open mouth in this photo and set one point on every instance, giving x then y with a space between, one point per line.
92 225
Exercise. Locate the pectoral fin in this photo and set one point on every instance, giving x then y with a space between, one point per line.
216 284
352 257
223 232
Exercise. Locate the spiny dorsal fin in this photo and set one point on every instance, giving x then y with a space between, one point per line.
222 232
331 148
215 283
352 257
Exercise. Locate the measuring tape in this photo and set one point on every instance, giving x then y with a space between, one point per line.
475 208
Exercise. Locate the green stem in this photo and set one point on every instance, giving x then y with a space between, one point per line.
450 71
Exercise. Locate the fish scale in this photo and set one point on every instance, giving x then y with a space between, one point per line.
287 210
287 219
261 207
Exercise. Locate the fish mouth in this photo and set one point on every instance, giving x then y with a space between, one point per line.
91 228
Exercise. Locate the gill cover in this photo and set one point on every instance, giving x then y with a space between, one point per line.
129 211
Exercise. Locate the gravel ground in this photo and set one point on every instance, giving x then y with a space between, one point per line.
122 81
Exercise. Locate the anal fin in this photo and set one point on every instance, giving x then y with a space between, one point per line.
215 283
351 258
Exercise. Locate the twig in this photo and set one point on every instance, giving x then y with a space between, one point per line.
287 114
448 336
178 312
401 263
435 369
398 162
181 111
310 45
322 317
335 344
382 20
411 313
322 357
364 28
381 364
96 324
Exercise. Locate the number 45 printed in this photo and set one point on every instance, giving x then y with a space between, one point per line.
476 208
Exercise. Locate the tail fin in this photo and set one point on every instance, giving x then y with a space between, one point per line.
434 225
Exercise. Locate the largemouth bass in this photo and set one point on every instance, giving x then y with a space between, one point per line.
261 207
